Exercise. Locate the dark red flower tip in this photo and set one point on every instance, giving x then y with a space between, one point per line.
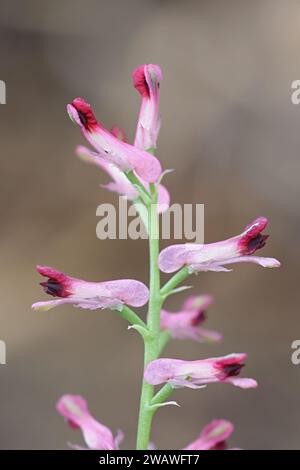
140 82
85 114
252 239
231 366
232 370
199 318
57 284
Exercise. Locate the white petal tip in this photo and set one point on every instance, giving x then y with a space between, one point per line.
41 307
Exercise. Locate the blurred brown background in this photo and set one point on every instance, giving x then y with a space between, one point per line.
232 134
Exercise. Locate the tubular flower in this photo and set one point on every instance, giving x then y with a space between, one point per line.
215 256
213 436
75 410
90 295
146 80
125 156
186 324
195 374
120 183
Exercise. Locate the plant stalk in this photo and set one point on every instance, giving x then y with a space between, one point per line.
152 345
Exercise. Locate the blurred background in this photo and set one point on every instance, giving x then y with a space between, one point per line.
231 133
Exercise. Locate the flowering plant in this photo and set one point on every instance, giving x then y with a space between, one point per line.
137 175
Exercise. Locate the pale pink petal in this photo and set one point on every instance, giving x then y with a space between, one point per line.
161 370
242 382
172 258
128 291
262 261
163 199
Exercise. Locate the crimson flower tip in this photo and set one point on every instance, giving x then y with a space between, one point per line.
146 77
81 113
252 238
58 283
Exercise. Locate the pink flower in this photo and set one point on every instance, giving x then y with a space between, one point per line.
213 436
215 256
75 410
120 183
146 80
185 324
90 295
125 156
195 374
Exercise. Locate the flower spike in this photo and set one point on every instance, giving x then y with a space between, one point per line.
90 295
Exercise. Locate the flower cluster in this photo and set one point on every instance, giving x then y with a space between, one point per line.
136 174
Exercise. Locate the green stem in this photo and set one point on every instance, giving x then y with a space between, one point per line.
142 211
163 340
145 196
174 281
131 316
162 395
152 345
